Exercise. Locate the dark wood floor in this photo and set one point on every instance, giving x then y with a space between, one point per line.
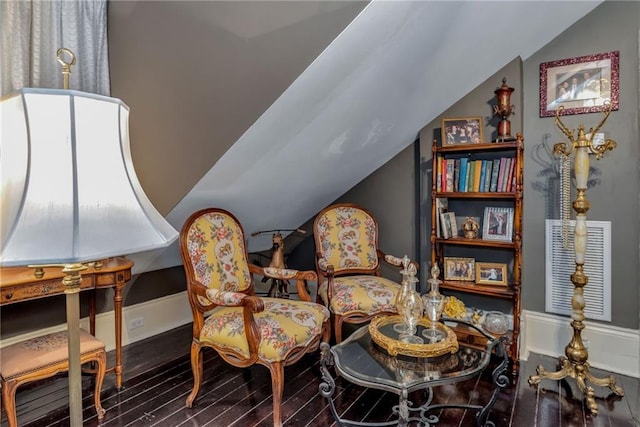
158 377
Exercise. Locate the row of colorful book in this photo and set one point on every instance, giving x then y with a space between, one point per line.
482 175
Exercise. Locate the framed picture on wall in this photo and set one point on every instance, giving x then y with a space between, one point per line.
585 84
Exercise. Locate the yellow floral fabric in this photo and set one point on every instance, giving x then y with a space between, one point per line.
366 294
284 325
217 252
348 237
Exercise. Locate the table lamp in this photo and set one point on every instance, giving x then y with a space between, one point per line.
70 194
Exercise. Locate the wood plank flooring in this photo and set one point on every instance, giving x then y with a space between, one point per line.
158 378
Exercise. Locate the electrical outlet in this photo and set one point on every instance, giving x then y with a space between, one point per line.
136 322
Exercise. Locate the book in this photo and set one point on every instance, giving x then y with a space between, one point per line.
439 161
512 175
441 207
462 181
456 174
445 231
503 166
483 175
470 173
487 177
509 175
494 175
448 226
477 172
449 175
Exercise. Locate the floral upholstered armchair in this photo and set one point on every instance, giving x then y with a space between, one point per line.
348 263
227 316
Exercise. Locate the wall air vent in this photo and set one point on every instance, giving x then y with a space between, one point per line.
560 265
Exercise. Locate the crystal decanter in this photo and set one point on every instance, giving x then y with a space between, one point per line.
433 305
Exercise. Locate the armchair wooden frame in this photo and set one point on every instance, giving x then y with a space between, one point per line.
251 305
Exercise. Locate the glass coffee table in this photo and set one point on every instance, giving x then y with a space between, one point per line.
361 361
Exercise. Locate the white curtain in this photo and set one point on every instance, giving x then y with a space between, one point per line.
33 31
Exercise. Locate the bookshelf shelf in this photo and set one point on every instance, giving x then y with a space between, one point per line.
494 291
478 195
494 181
475 242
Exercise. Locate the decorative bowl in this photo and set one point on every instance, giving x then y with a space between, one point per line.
496 323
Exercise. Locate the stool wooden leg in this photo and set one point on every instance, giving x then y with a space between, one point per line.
9 402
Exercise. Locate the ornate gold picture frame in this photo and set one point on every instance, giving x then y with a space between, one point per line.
491 273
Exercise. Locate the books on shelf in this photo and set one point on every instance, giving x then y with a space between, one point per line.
465 174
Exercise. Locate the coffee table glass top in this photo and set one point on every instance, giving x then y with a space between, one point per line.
363 362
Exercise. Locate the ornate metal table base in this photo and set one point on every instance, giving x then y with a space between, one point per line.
405 411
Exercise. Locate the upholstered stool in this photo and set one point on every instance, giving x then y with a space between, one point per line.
43 357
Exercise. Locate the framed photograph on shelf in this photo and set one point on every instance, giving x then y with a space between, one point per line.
459 269
462 130
497 224
581 85
491 273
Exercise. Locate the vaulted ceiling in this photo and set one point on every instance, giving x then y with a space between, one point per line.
379 77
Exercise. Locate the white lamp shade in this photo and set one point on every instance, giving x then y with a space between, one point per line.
69 189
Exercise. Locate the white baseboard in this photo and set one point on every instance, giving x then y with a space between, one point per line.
159 315
610 348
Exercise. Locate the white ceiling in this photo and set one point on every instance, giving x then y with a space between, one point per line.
394 69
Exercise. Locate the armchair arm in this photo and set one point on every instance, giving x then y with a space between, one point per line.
394 260
250 304
328 271
288 274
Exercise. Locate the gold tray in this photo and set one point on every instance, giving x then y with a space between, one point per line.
383 334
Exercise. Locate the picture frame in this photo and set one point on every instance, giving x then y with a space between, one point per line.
459 269
491 273
497 224
462 130
585 84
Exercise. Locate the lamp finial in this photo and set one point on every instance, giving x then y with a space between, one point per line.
66 66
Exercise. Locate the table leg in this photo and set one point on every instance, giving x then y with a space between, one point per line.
117 308
92 312
403 409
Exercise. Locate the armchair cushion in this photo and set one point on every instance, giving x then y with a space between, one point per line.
363 294
283 325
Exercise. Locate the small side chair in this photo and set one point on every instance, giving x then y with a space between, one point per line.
348 262
227 315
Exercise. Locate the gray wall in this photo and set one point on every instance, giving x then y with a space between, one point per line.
611 26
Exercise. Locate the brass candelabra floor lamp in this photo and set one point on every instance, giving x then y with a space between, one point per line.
575 364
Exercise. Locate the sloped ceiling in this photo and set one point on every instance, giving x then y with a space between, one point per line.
396 67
